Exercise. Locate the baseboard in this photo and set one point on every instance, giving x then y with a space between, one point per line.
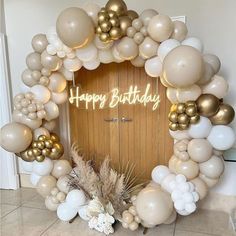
25 181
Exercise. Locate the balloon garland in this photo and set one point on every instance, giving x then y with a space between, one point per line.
86 37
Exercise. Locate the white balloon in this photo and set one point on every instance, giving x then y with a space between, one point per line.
105 56
194 42
92 10
180 178
165 47
179 205
76 198
190 207
153 67
26 165
188 94
159 173
65 212
59 98
34 178
179 135
51 50
72 64
43 168
221 137
52 110
188 197
88 53
41 93
24 88
166 182
92 65
68 74
116 54
63 184
171 94
41 131
83 213
201 129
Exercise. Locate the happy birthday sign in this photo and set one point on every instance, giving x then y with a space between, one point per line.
114 98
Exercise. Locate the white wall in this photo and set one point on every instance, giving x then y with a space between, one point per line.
213 21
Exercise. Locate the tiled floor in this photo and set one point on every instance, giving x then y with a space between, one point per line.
23 213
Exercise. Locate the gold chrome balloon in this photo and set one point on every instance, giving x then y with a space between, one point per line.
183 126
40 158
40 144
46 152
111 13
180 108
54 137
173 126
48 143
36 151
98 30
173 117
102 16
224 116
34 144
114 21
183 118
42 138
208 105
125 23
104 37
24 156
117 6
132 14
105 26
194 119
115 33
191 110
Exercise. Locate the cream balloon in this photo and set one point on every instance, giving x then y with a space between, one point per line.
73 64
33 61
88 53
200 150
179 134
91 65
172 163
41 93
92 10
59 98
165 47
171 219
61 168
33 124
57 82
105 56
171 94
200 187
138 61
209 181
213 60
52 110
68 74
180 30
45 185
39 43
218 86
147 15
153 67
15 137
49 125
34 178
63 184
52 63
102 45
213 168
148 48
153 205
188 94
189 169
50 205
41 131
27 78
194 42
207 75
164 82
75 28
127 48
183 67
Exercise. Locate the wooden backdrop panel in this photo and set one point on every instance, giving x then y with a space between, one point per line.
144 141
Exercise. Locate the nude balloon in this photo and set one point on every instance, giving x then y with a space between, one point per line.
180 30
153 67
59 98
52 111
33 124
188 94
39 43
213 168
57 82
147 15
194 42
92 10
61 168
45 185
172 95
63 184
127 48
138 61
180 134
49 125
166 46
41 131
75 28
200 150
218 86
183 67
52 63
200 187
164 82
41 93
148 48
172 163
209 181
213 60
160 28
189 169
33 61
15 137
27 78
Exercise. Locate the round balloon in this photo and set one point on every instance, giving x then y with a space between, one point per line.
63 184
39 43
57 82
61 168
43 168
45 185
180 30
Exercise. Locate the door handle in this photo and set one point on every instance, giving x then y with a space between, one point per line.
114 119
124 119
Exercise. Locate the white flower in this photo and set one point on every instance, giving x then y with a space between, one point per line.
95 207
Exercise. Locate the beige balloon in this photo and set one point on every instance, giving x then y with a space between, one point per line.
213 168
33 124
214 61
189 169
63 184
39 43
57 82
207 75
201 187
61 168
49 125
171 219
41 131
160 28
164 82
33 61
209 181
183 66
92 10
50 205
50 62
188 94
148 48
147 15
52 111
127 48
218 86
153 205
45 185
75 28
171 94
15 137
173 162
27 78
180 30
138 61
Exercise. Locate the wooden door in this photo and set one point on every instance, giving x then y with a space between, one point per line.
144 140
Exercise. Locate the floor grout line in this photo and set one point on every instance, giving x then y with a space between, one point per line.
48 227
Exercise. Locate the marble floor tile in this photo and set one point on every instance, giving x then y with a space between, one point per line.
17 197
36 202
6 209
205 221
188 233
27 222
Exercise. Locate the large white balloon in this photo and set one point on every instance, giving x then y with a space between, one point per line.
76 198
41 93
34 178
72 64
44 167
201 129
153 67
92 10
88 53
105 56
193 42
26 166
165 47
159 173
221 137
65 212
91 65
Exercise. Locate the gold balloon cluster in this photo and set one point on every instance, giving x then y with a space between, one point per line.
43 147
182 115
219 113
114 20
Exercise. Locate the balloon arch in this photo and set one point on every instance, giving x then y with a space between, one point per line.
86 37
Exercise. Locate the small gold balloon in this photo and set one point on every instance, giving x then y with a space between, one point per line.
111 13
173 107
40 145
58 147
103 9
183 126
30 153
183 118
173 116
224 116
190 103
173 126
36 151
42 138
46 152
132 14
34 144
194 119
40 158
104 37
48 143
180 108
54 137
117 6
114 21
102 16
191 110
115 33
208 105
105 26
98 30
125 23
25 157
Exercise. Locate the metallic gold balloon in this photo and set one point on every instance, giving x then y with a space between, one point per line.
224 116
30 153
104 37
36 151
54 137
58 147
114 21
102 16
173 107
46 152
208 105
125 23
40 158
117 6
98 30
48 143
115 33
34 144
194 119
183 126
180 108
111 13
40 145
132 14
42 138
190 103
105 26
183 119
173 126
191 110
25 157
103 9
173 117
